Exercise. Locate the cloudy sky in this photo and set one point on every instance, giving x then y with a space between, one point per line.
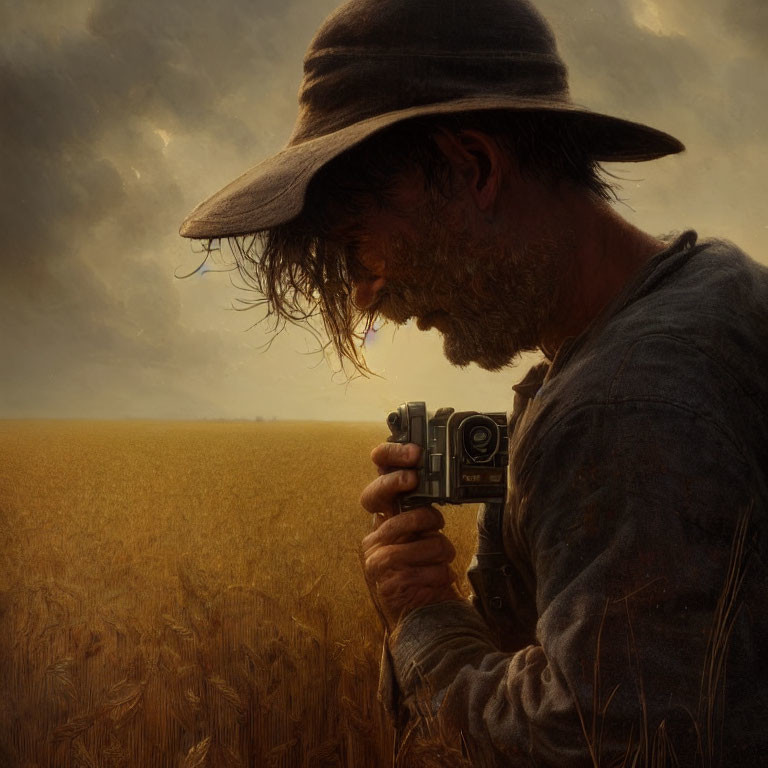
118 116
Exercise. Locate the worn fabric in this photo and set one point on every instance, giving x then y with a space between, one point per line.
636 524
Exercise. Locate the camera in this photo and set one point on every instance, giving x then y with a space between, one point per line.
464 454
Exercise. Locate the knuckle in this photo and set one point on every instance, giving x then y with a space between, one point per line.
389 558
377 495
395 583
429 549
440 548
390 588
381 536
437 519
366 498
415 521
409 521
444 551
395 454
403 453
381 453
412 452
430 518
436 549
374 564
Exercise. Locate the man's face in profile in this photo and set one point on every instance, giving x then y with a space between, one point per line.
431 256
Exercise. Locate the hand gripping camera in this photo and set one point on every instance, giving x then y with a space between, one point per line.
464 455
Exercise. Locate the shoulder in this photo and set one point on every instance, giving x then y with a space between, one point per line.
713 296
692 333
661 410
683 355
695 338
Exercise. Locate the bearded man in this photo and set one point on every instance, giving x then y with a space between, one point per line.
439 171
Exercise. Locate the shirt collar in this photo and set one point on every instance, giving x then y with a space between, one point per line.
651 273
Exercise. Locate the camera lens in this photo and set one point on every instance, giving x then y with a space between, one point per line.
480 438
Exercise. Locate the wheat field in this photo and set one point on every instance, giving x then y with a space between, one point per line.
190 594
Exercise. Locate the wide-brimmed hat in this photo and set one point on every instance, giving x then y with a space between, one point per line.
374 63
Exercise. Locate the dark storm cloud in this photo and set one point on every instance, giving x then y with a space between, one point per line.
607 52
669 78
89 202
694 69
167 63
749 19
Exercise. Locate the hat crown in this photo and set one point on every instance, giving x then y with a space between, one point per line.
436 25
377 56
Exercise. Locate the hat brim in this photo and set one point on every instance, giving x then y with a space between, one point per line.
273 192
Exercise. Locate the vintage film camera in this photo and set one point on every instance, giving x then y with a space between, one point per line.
464 454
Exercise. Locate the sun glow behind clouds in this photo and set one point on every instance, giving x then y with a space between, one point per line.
164 136
647 15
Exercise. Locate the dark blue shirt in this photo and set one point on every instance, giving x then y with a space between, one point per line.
636 526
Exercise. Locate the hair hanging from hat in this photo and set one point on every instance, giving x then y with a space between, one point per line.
302 277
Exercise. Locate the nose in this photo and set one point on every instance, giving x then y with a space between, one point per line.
366 291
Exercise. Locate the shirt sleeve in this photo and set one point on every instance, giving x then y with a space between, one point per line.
628 510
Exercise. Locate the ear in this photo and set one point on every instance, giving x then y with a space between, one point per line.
476 158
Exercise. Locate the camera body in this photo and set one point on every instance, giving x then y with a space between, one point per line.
464 454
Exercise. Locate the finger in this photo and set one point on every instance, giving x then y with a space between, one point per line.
379 496
433 550
396 455
410 524
430 550
429 576
404 527
407 538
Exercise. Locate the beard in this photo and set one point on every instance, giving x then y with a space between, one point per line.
491 301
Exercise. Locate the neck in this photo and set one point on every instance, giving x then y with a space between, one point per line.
604 252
